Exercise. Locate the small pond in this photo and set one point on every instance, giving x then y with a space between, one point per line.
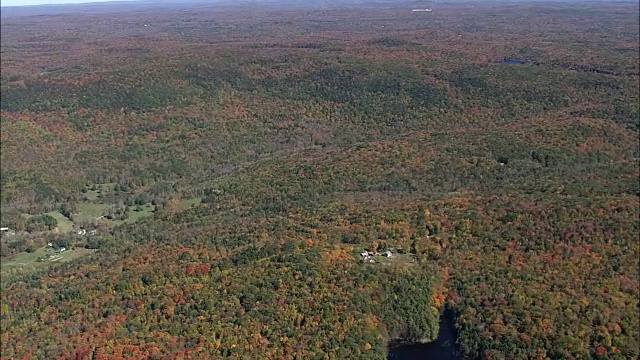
441 349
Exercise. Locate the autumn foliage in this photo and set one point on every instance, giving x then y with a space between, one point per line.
507 190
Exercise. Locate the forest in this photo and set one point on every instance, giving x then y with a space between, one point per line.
202 182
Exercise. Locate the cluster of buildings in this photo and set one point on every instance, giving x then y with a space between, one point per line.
82 232
368 256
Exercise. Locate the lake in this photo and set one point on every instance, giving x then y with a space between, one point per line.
441 349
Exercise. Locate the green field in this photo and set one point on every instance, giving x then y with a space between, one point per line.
147 210
27 260
72 254
397 259
105 186
187 203
91 195
24 259
88 212
64 224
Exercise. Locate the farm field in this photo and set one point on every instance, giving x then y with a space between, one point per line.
145 211
64 224
90 211
25 262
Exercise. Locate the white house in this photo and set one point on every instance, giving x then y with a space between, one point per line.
4 229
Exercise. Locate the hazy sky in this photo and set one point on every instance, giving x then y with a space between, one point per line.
40 2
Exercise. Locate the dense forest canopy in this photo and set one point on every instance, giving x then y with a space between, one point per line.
226 181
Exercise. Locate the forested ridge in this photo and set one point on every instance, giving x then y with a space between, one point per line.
201 183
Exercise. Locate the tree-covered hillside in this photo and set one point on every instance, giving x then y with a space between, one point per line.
202 183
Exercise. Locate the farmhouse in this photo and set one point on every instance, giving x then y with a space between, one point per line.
367 256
